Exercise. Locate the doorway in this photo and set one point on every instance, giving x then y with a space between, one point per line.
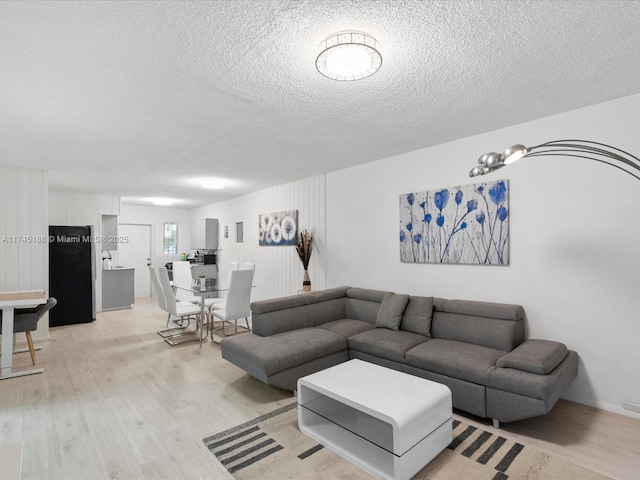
136 252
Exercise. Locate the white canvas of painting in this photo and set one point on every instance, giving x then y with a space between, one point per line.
464 225
278 229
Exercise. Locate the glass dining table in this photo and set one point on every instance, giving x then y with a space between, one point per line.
204 292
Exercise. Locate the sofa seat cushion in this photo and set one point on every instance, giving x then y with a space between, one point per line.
385 343
282 351
347 327
464 361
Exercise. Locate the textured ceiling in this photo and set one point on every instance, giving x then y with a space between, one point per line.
141 99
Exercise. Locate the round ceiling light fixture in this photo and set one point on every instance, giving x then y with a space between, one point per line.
213 185
163 202
349 56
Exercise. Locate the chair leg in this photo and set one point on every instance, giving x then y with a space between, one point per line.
31 349
177 322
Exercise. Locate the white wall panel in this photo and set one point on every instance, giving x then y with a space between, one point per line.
23 220
278 269
24 229
38 227
11 227
3 229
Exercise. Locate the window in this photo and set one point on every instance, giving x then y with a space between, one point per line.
170 242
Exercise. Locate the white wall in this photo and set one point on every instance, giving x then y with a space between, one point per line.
79 209
575 261
24 252
279 271
156 217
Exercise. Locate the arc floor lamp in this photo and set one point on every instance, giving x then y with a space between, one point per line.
600 152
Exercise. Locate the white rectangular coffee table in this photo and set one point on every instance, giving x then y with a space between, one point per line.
388 423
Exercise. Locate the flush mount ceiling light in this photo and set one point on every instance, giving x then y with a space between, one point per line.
348 56
163 202
212 185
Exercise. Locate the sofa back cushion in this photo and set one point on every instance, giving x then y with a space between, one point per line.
390 312
283 314
279 321
363 304
417 316
328 294
493 325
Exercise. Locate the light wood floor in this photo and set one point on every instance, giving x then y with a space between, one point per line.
116 402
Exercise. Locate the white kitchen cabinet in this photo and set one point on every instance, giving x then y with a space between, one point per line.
109 232
117 288
204 234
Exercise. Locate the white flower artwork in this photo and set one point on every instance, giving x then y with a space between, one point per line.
278 229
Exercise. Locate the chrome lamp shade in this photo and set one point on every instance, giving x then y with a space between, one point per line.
599 152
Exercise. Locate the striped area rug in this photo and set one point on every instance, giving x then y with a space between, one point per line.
271 447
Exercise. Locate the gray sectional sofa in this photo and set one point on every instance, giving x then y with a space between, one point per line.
477 349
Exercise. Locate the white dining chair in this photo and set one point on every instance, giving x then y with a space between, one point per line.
173 326
177 310
182 277
223 283
249 266
238 302
221 304
162 302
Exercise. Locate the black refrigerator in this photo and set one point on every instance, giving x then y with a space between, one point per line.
72 274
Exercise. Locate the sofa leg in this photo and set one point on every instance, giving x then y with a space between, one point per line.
496 423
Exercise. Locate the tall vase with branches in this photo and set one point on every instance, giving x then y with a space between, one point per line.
304 247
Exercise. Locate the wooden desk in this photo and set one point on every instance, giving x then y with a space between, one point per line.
9 301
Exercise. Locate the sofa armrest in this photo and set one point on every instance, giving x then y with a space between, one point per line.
534 356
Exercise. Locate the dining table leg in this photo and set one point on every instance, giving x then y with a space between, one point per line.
7 341
202 298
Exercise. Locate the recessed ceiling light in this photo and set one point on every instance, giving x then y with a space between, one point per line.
213 185
349 56
163 202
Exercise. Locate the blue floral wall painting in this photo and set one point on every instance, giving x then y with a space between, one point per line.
463 225
278 229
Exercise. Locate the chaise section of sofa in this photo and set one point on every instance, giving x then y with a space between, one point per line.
477 349
301 334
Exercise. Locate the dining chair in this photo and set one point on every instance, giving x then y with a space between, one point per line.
162 303
182 276
249 266
223 283
220 304
172 326
26 320
177 310
238 301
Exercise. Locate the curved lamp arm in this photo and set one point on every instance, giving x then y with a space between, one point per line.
600 152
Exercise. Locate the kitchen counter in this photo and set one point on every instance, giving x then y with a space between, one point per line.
117 288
